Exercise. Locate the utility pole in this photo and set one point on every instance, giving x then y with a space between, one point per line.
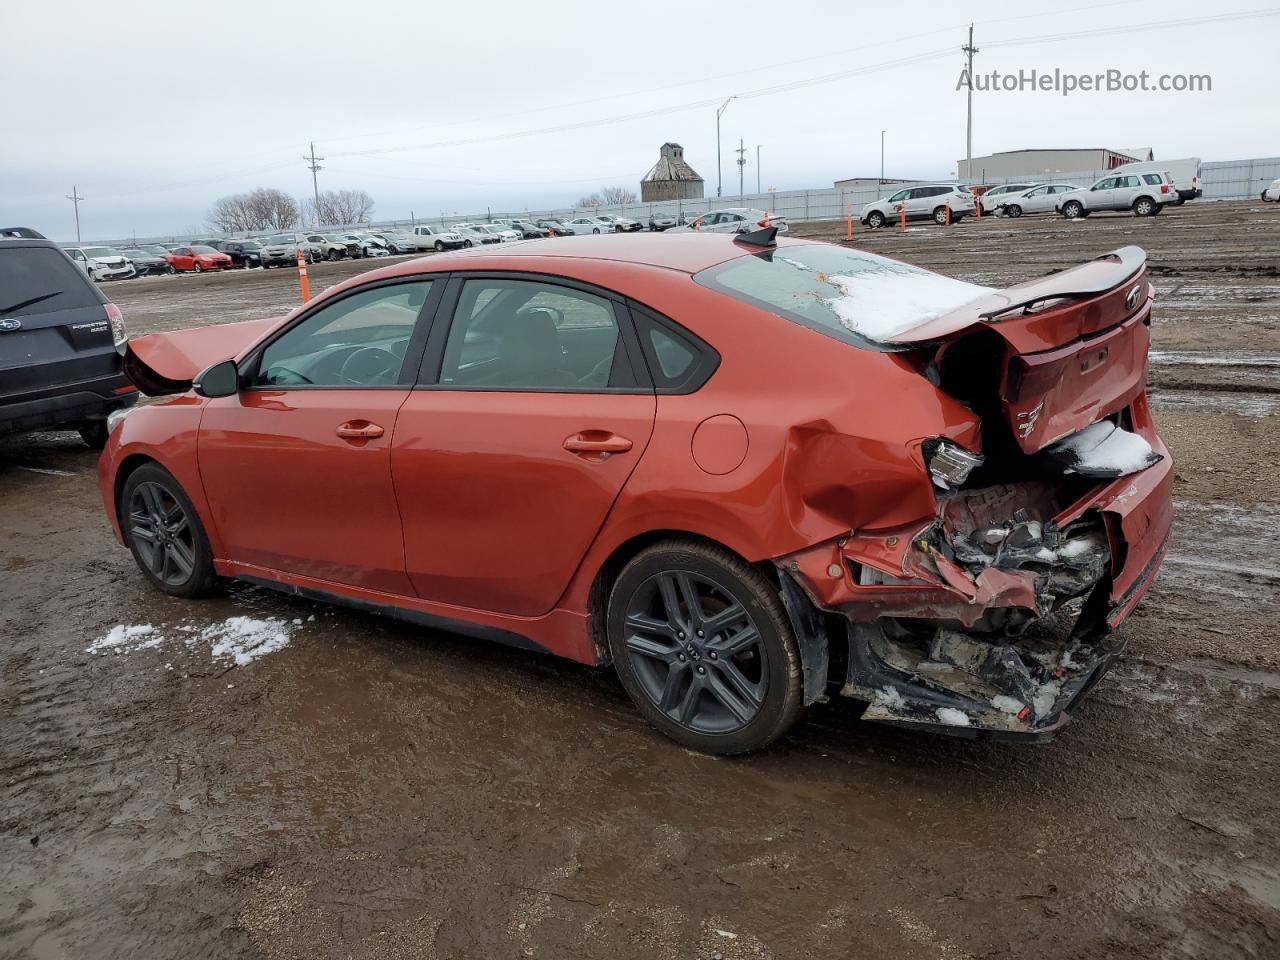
314 167
882 158
742 166
719 110
75 199
757 168
969 50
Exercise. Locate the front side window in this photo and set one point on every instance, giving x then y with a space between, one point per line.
900 195
357 341
1107 184
529 335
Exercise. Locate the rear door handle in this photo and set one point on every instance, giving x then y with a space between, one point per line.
359 430
601 443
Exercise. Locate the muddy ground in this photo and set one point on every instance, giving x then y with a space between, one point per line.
374 790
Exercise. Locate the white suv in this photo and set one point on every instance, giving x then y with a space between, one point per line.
1272 192
926 202
1143 193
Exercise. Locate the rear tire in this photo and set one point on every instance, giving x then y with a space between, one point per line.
171 270
940 216
1143 207
704 648
164 533
93 433
1012 210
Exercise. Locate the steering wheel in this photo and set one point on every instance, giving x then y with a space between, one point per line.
370 365
283 376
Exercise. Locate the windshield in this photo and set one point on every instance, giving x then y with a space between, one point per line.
100 252
858 298
249 245
282 240
201 248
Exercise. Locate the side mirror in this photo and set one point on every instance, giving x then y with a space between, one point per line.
220 380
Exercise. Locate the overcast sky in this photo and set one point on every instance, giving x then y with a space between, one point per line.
155 109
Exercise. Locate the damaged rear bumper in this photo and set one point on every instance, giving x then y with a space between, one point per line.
1005 645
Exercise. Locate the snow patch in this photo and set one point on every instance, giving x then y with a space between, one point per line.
880 305
952 717
1008 705
1103 449
245 639
125 638
238 639
1046 697
889 697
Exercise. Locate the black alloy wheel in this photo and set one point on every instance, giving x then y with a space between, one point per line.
164 533
702 645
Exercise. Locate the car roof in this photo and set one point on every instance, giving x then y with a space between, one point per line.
685 252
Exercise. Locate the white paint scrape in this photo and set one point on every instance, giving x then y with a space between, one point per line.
882 304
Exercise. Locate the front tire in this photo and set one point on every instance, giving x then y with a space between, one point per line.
875 219
703 646
171 270
198 269
164 533
1072 209
466 243
439 246
1012 210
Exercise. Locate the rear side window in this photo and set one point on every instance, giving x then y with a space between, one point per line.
35 280
678 361
1152 178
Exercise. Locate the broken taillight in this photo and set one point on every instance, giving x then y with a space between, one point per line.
119 335
950 465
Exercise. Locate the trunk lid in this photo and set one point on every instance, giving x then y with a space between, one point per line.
1074 344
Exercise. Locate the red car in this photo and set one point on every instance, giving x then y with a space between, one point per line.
198 258
746 472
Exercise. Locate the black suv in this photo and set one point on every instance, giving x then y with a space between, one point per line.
243 253
61 342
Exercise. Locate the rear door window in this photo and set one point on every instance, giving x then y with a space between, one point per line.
36 280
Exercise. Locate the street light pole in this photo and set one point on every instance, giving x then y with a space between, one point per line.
742 165
969 50
721 109
75 199
882 158
757 168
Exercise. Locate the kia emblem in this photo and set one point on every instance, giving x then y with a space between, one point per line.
9 323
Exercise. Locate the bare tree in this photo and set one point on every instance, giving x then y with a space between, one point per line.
617 196
590 200
261 209
339 207
273 209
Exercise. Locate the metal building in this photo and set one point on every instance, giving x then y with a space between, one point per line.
1042 163
671 178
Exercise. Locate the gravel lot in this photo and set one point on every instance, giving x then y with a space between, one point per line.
373 790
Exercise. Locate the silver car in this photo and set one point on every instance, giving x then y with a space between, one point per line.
929 201
733 220
282 250
1144 193
1041 199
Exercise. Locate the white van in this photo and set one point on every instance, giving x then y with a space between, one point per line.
1185 174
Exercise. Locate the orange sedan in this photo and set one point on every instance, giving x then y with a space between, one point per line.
748 472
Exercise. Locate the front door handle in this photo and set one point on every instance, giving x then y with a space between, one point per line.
596 444
359 430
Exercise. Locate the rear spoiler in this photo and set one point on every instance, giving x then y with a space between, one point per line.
1077 283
